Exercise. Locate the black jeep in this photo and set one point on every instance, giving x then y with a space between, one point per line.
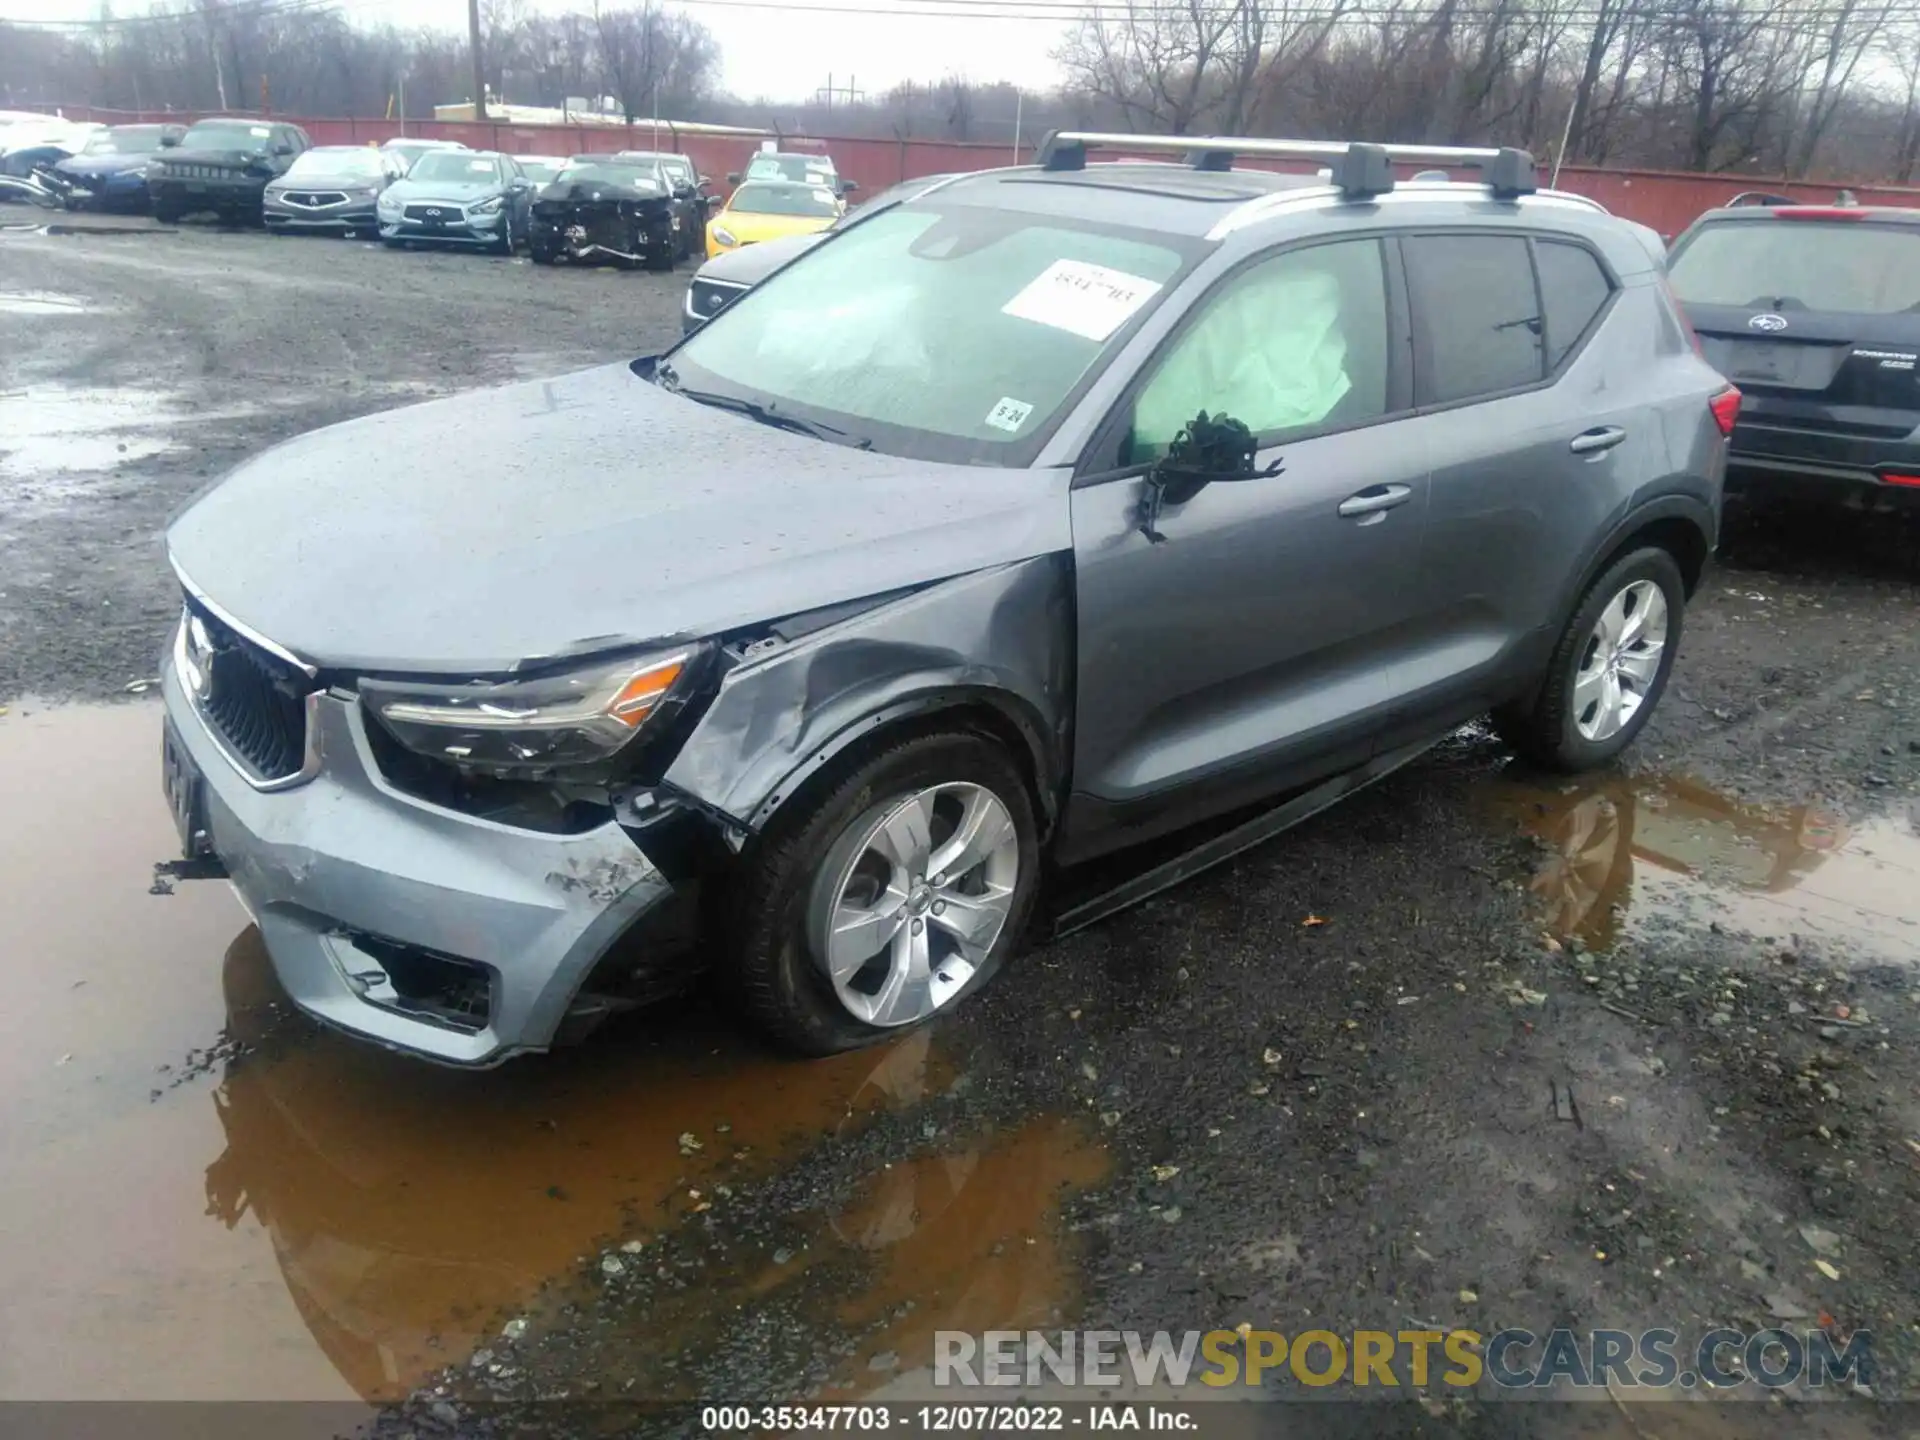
223 165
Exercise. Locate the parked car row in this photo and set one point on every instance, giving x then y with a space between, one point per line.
630 206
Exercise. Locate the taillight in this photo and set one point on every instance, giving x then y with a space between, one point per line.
1819 212
1911 482
1726 409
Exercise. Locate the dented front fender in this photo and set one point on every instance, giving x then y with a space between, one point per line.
1002 637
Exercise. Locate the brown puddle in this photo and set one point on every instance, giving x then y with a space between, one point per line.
321 1219
1630 852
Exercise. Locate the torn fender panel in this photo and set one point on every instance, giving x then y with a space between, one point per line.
1004 635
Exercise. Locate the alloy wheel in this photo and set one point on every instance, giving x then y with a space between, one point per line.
1620 661
909 906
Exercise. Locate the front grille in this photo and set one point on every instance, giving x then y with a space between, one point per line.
448 214
184 171
710 297
316 200
255 702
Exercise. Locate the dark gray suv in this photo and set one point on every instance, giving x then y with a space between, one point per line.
1053 510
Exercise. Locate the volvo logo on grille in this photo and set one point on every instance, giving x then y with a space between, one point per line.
1770 323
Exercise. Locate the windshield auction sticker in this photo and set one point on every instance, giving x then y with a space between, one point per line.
1086 300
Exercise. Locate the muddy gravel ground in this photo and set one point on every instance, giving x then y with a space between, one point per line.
1479 1049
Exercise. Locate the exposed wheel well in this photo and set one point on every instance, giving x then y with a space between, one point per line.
980 717
1678 536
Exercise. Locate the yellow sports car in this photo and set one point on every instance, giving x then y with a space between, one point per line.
768 209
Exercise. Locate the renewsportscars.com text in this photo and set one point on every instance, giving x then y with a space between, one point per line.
1509 1359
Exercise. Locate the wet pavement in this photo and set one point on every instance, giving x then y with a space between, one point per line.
1592 1052
1629 855
327 1221
331 1221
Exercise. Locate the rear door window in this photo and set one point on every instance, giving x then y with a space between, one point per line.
1477 323
1573 289
1858 266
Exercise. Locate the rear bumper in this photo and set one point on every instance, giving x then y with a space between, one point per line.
347 877
1766 447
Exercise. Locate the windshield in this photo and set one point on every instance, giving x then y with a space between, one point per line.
807 169
1851 265
606 172
538 171
784 200
124 142
950 335
227 135
337 162
455 167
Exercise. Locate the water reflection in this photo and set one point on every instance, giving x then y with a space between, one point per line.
413 1209
1626 851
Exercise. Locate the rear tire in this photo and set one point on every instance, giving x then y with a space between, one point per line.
1608 670
802 876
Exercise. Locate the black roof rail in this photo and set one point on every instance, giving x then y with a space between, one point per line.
1359 169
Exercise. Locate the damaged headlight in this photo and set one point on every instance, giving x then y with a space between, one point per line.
390 203
724 235
489 207
529 728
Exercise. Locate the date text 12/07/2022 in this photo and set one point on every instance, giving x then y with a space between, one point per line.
967 1419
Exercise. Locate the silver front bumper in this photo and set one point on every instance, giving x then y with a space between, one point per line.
345 856
467 230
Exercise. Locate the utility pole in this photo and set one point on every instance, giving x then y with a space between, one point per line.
847 92
479 69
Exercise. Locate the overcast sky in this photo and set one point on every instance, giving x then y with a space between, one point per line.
778 53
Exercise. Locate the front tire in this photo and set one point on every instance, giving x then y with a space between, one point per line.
1608 670
887 897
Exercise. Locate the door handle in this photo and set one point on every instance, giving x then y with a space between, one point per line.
1597 440
1375 500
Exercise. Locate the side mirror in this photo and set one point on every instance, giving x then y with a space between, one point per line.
847 187
169 142
1208 450
733 177
283 148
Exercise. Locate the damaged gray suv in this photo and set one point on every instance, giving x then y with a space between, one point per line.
1055 510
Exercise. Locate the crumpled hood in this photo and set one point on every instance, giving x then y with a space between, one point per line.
585 192
475 534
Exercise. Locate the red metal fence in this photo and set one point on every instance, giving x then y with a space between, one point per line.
1664 200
